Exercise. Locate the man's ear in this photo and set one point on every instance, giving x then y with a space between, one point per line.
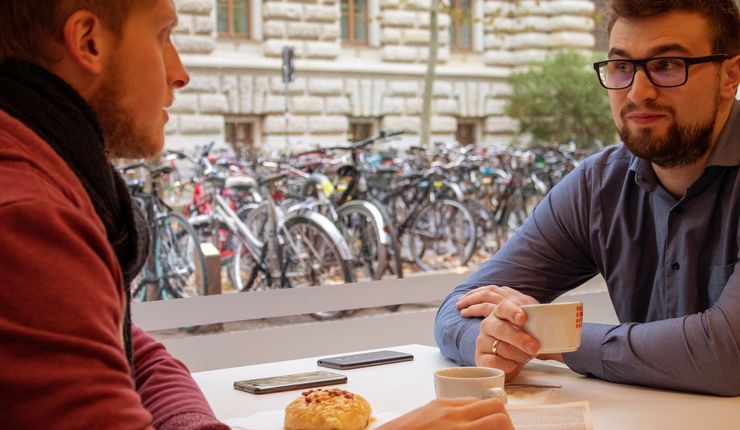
730 78
86 41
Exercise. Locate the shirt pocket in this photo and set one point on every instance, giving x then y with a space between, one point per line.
718 276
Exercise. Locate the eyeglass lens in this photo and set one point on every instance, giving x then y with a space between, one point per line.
662 71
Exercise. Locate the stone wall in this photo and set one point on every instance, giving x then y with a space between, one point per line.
523 34
311 27
335 83
405 31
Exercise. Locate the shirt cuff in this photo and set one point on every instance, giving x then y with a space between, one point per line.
587 359
467 342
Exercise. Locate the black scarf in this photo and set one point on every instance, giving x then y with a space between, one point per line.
61 117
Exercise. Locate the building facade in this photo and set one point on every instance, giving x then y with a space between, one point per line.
359 67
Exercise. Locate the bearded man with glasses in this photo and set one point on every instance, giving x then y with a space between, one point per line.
657 216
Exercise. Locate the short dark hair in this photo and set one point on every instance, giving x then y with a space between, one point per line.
722 15
28 26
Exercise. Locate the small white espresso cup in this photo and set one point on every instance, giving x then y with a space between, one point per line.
556 326
480 382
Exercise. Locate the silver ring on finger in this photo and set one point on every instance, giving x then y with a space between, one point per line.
495 346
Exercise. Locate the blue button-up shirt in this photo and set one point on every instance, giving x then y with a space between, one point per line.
671 268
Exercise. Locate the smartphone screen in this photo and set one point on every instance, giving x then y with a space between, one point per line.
365 359
295 381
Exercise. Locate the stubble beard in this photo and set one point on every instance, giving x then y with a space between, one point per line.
681 146
122 139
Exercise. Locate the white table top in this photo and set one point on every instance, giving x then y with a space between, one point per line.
401 387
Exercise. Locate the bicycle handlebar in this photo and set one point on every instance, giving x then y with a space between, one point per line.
133 166
367 141
154 172
207 149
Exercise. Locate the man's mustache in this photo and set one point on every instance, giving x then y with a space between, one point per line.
647 106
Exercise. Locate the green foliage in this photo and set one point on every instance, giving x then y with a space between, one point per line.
560 100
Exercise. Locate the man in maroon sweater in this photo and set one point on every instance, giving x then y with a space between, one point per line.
82 82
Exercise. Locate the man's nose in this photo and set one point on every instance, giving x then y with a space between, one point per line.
177 76
642 88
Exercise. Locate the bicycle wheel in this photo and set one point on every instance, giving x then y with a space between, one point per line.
180 264
242 268
442 236
362 233
394 252
487 243
311 258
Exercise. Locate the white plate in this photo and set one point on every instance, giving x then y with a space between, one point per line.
273 420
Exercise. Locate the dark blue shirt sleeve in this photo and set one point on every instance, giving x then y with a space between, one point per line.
698 352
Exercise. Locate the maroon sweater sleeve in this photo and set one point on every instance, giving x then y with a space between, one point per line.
167 390
62 358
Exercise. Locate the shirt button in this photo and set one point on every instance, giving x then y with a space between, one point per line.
675 266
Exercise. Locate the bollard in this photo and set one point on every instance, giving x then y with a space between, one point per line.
213 268
213 279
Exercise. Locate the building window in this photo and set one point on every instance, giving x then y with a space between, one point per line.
361 128
354 21
240 134
461 25
233 18
467 132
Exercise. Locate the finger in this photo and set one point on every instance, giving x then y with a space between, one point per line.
510 311
488 414
556 357
517 296
485 357
498 421
452 401
508 352
496 362
479 289
483 296
480 310
482 408
506 332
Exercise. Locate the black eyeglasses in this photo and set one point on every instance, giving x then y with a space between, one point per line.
663 72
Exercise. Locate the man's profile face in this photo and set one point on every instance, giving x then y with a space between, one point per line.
139 83
667 126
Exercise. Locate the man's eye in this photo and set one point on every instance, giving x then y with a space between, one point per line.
621 67
665 65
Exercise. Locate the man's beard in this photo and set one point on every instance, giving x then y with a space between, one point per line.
122 140
682 145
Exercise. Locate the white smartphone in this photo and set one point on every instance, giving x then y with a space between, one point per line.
295 381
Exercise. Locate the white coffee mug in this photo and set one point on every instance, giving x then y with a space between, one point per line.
480 382
556 326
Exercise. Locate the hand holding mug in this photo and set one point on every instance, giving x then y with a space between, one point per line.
501 326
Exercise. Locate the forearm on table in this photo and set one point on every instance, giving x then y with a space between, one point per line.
167 390
697 353
456 335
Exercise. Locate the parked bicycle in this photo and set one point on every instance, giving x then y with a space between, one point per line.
175 267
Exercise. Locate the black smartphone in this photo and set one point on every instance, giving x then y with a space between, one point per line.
365 359
295 381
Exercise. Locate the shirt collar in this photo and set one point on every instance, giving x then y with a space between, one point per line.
644 175
727 150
